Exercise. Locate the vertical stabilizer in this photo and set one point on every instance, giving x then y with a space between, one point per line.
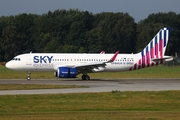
153 53
156 48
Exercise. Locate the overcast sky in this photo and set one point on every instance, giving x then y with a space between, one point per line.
138 9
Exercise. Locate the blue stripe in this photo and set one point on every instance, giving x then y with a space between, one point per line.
160 38
151 46
146 54
146 49
165 37
142 53
155 40
155 44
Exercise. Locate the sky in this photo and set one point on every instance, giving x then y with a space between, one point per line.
138 9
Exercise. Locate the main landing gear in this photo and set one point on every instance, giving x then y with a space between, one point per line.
85 77
28 76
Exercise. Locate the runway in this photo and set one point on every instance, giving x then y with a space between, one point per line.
95 85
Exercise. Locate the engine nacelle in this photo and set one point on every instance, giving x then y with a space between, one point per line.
64 72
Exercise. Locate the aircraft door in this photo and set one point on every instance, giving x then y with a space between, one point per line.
28 59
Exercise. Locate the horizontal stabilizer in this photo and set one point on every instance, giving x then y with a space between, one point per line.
165 58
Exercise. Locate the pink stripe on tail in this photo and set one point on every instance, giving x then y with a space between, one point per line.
135 65
148 59
161 51
157 50
139 66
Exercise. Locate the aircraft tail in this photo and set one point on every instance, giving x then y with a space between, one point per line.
154 52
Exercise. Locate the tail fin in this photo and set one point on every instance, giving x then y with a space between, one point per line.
155 50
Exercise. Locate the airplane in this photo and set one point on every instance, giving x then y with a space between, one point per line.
69 65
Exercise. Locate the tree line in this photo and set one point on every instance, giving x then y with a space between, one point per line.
75 31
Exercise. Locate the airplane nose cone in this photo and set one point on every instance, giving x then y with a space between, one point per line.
7 65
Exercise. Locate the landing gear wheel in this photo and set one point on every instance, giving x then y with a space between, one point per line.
28 78
85 77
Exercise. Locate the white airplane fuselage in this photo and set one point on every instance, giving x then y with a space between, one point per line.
51 61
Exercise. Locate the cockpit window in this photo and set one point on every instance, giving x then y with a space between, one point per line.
16 59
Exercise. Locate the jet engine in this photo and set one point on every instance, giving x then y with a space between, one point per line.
65 72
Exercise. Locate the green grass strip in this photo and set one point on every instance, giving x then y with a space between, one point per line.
113 105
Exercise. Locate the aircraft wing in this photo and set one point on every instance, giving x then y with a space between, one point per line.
88 67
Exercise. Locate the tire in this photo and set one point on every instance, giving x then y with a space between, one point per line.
28 78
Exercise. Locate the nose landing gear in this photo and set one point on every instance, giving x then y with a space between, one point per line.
28 76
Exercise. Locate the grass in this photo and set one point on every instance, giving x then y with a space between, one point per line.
151 72
35 86
100 106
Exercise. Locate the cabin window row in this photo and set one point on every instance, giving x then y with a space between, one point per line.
104 60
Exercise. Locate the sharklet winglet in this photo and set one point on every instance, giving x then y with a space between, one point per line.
114 57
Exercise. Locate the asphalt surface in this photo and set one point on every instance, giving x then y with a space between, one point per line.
95 85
